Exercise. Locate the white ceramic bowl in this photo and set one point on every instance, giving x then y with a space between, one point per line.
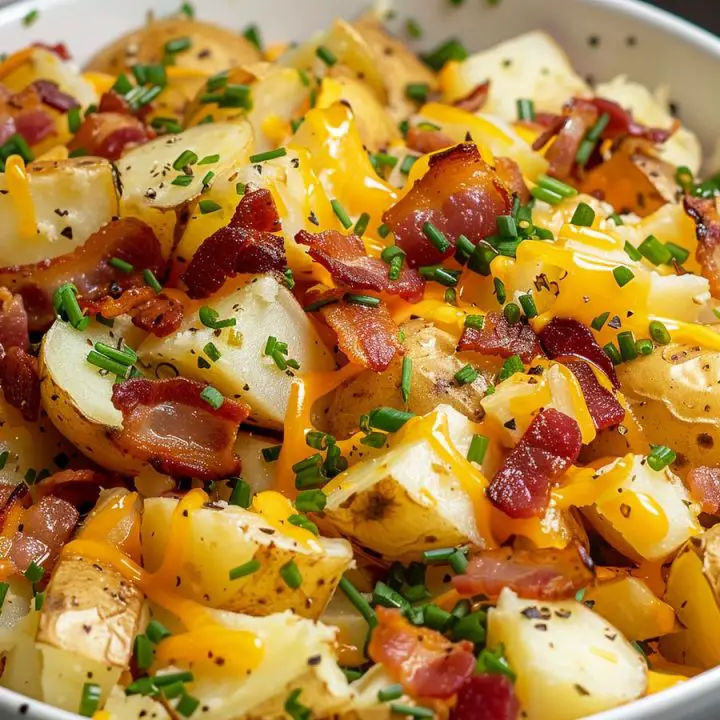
604 38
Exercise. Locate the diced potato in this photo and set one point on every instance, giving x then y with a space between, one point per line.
71 199
147 173
412 497
259 473
632 607
683 148
120 706
570 663
434 364
225 537
352 630
531 66
77 396
693 590
262 307
646 514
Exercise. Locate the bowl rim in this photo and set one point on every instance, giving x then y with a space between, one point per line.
677 698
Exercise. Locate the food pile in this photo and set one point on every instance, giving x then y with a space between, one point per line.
342 381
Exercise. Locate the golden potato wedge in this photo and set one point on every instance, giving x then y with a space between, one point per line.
77 396
412 497
225 537
434 364
570 663
262 307
71 198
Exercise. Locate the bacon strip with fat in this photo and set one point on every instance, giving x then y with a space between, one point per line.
499 337
704 211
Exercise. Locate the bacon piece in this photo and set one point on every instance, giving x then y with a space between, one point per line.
80 488
46 527
24 113
563 151
603 406
169 424
704 485
345 258
427 141
110 134
159 315
553 124
426 663
540 574
499 337
60 49
20 381
510 173
486 697
565 337
704 212
521 487
622 123
35 125
87 268
367 335
460 195
52 96
476 99
245 245
11 496
13 321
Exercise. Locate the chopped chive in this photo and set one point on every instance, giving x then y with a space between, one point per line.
466 375
374 440
144 653
89 700
152 281
407 163
385 596
121 265
464 246
613 353
291 575
478 448
269 155
252 35
411 711
311 501
314 306
4 458
177 45
439 274
623 275
477 322
248 568
458 562
510 367
366 300
512 313
241 495
121 369
660 457
584 215
122 85
644 346
659 333
39 599
383 230
304 522
307 463
342 216
34 573
406 378
272 453
187 705
417 91
451 49
506 226
548 196
391 692
413 28
319 440
525 109
361 225
684 178
185 158
632 252
212 397
437 618
557 186
209 318
126 356
528 305
450 296
207 179
438 556
626 343
212 352
4 587
208 206
499 287
326 55
166 679
441 243
678 253
383 160
652 249
182 180
142 686
156 631
173 691
74 120
599 321
388 419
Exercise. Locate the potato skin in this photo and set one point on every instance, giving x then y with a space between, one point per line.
212 48
434 363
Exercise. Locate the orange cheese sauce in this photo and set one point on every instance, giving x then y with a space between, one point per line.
18 186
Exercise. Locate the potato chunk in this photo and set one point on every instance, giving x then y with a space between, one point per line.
570 663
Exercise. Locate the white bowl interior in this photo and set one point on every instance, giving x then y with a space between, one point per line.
628 37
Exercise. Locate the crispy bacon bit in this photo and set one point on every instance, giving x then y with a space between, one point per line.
345 258
565 337
704 485
476 99
564 150
35 125
24 113
20 381
521 488
114 102
510 173
87 268
499 337
169 424
60 49
704 212
541 574
13 321
46 527
460 195
157 314
602 405
81 488
52 96
245 245
622 123
426 663
110 134
486 697
367 335
427 141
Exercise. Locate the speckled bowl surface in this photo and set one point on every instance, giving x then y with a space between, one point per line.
604 38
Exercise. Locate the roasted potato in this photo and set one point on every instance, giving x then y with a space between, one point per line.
259 473
71 200
570 663
434 364
412 498
262 307
225 537
77 396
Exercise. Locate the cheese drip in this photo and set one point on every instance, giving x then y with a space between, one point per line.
18 186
